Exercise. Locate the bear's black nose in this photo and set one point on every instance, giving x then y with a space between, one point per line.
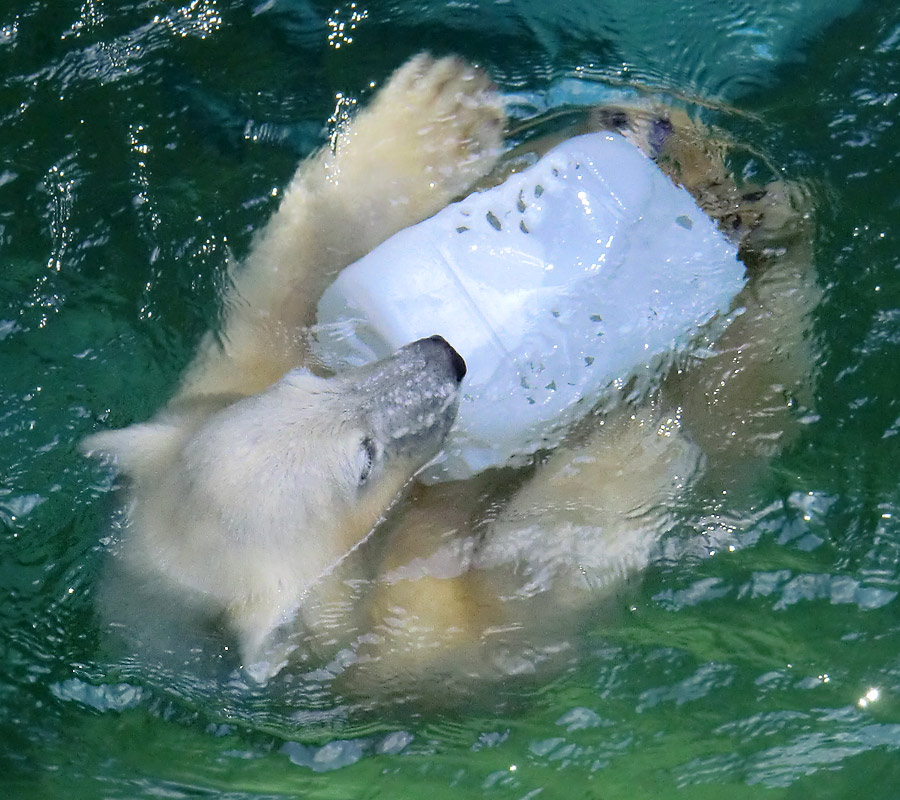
456 360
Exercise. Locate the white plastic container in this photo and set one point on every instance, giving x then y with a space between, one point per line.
572 276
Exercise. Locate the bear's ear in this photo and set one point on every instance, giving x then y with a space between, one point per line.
131 448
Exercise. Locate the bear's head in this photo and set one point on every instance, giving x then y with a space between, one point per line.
250 504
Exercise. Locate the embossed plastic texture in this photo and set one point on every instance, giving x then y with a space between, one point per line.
584 270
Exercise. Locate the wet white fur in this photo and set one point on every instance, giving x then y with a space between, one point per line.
221 507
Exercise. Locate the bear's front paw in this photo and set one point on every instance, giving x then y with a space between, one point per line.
430 133
454 118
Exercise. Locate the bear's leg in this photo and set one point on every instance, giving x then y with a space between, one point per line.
428 135
747 395
509 597
595 509
434 130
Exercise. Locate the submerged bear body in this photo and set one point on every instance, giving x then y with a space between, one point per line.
274 497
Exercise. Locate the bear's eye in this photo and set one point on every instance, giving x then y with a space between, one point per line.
368 452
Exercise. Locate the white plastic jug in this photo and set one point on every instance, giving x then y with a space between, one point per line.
572 276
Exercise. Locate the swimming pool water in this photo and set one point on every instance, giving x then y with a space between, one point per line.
141 143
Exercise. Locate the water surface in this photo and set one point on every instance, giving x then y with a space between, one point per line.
142 142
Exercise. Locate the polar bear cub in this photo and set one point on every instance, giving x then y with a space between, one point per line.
251 488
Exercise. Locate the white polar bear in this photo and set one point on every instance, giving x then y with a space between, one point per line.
256 482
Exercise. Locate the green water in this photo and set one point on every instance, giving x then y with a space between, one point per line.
140 142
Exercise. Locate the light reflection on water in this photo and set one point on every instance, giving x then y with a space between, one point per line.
129 175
